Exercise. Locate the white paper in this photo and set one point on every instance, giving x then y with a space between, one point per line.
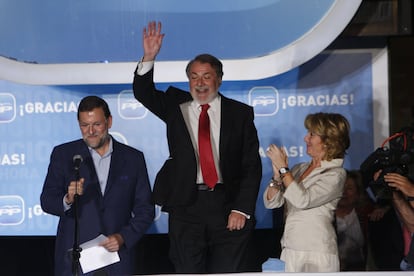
93 256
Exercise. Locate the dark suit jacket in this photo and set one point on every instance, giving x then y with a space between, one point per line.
240 162
128 190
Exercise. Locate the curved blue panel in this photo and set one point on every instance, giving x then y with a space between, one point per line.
50 31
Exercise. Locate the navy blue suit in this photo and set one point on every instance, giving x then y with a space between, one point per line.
125 208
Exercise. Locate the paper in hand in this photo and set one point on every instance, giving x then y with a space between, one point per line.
93 256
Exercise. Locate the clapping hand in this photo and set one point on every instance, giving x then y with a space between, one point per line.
279 158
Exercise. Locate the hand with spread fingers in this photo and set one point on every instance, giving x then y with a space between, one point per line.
152 40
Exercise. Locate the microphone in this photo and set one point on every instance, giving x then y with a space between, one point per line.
77 160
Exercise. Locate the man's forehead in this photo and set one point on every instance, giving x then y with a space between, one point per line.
89 112
202 70
96 112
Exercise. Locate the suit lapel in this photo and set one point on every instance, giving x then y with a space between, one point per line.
117 162
225 125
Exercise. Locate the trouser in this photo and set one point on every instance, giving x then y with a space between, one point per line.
199 239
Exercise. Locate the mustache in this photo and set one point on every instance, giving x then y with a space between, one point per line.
201 87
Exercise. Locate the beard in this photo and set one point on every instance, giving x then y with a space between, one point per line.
100 143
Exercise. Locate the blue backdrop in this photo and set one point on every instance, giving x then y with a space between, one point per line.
53 53
36 118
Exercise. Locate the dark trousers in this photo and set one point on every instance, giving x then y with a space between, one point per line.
199 239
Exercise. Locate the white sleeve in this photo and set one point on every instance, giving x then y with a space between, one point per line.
275 202
144 67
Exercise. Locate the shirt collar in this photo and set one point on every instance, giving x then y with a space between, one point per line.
108 152
338 162
214 104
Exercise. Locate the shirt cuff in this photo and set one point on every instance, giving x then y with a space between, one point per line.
65 205
241 213
144 67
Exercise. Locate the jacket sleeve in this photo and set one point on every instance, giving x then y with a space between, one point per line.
55 185
326 187
146 93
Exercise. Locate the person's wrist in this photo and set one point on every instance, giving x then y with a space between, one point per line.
276 178
276 184
119 239
147 58
283 171
67 200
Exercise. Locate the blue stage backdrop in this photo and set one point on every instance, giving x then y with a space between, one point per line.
35 118
53 53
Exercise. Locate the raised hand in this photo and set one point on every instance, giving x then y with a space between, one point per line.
152 40
278 156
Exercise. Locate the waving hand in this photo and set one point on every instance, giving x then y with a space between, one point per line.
152 40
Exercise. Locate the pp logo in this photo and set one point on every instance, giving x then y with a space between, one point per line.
11 210
265 100
7 107
129 107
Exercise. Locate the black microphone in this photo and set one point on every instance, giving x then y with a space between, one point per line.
77 160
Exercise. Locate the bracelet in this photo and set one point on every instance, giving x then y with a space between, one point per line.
276 184
273 182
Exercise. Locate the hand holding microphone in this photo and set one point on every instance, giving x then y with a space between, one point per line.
75 187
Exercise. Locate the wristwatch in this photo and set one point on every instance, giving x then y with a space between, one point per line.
283 171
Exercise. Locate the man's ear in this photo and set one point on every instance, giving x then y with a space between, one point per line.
109 121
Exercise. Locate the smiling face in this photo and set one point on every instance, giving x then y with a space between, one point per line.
204 82
94 128
314 146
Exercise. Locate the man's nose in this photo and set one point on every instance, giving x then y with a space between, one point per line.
91 129
200 82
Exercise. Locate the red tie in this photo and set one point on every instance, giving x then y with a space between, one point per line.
208 169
